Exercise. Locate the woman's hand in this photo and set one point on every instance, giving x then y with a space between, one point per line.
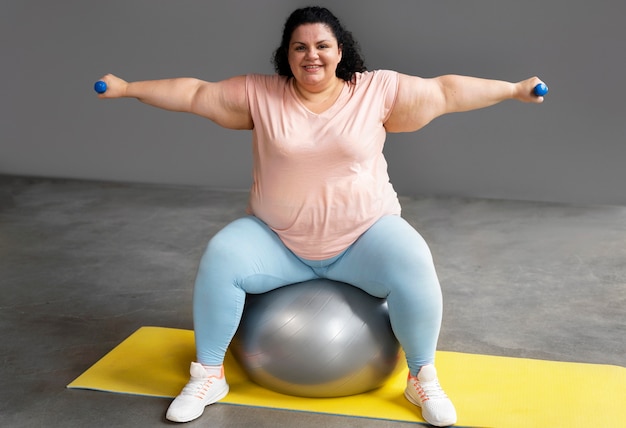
115 87
525 91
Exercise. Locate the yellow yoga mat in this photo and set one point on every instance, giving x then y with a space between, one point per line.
487 391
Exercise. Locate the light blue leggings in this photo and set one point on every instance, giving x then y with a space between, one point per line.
391 260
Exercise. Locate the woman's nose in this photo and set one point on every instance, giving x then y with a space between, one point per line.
311 53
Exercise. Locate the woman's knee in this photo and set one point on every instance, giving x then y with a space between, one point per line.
235 241
248 254
225 253
403 248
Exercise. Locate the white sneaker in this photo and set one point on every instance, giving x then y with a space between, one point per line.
200 391
424 391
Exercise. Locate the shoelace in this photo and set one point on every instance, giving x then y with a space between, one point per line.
197 388
429 390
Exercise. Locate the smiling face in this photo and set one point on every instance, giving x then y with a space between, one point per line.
313 56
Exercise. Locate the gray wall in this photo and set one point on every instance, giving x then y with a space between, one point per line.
570 149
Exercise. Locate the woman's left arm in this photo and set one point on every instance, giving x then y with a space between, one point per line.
419 100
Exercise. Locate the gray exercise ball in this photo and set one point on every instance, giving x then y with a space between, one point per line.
317 338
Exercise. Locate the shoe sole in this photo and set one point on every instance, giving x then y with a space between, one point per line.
408 396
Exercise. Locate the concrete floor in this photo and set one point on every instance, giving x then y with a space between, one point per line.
84 264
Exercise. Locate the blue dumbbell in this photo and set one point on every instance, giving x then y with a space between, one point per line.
100 87
540 90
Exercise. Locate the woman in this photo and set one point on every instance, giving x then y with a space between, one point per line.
321 204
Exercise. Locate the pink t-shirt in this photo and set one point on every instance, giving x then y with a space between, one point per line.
320 180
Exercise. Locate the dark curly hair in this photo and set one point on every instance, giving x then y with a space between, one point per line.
351 61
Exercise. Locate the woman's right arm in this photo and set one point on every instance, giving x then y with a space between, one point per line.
222 102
